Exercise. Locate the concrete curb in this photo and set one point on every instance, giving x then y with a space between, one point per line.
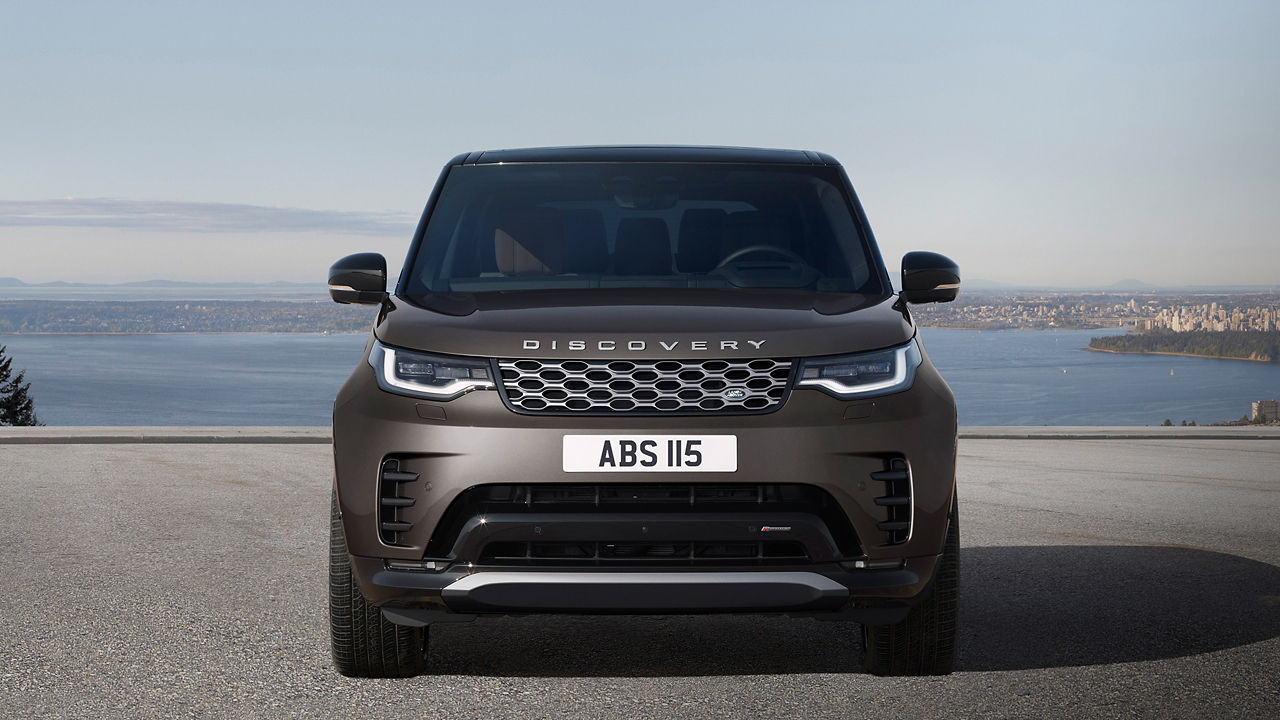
1244 432
250 435
164 435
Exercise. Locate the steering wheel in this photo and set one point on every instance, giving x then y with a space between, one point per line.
774 249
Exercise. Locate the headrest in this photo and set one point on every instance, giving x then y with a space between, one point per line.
698 245
586 251
529 242
642 247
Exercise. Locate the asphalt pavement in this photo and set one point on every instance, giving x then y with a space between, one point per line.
1100 578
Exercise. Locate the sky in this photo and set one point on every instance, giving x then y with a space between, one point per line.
1037 144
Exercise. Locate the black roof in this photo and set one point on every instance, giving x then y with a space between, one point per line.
645 153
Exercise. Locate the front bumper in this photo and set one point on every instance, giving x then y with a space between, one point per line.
867 595
813 439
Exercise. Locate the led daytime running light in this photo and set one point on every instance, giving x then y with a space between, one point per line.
905 360
391 381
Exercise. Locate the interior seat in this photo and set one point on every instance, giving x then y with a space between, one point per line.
529 242
585 249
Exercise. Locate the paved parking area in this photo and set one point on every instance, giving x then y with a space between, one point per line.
1101 578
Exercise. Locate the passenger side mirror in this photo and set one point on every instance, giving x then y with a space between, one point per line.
359 279
929 277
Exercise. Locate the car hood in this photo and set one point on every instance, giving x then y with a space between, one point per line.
644 323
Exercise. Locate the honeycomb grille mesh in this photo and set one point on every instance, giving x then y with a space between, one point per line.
654 387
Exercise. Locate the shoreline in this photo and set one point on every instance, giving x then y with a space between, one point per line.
1002 329
362 332
188 332
1179 354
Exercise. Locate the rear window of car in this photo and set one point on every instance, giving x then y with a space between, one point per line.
662 225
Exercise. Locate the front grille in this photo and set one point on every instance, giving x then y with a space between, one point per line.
644 387
654 501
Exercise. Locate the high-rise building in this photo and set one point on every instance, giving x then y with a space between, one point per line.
1266 410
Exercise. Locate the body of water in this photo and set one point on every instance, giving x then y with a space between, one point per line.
1046 377
223 379
1007 377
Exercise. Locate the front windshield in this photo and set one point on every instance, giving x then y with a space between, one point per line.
625 225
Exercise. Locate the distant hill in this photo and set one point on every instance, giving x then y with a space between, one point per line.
15 282
1130 284
981 284
190 284
1261 346
158 283
317 315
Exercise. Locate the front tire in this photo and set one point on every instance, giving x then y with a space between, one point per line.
925 642
365 644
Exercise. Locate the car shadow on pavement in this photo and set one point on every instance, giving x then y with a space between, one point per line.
1055 606
1021 608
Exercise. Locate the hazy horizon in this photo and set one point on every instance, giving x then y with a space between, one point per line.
1068 145
975 285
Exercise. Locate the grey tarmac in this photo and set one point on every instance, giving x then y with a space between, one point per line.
1123 577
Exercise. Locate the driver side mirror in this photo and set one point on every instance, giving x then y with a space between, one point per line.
359 279
929 277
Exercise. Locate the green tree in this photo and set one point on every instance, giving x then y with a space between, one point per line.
16 407
1167 423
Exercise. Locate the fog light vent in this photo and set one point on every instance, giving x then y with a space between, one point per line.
896 500
390 526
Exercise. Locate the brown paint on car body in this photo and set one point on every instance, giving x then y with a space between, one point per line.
790 325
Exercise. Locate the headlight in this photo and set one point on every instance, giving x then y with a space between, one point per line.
865 374
437 377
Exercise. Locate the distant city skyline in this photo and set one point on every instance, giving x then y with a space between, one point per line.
1039 145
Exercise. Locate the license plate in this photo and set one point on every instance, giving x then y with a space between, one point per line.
650 453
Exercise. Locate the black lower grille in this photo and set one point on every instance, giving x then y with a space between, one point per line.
669 501
644 553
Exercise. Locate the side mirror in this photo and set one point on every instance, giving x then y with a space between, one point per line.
359 279
929 277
